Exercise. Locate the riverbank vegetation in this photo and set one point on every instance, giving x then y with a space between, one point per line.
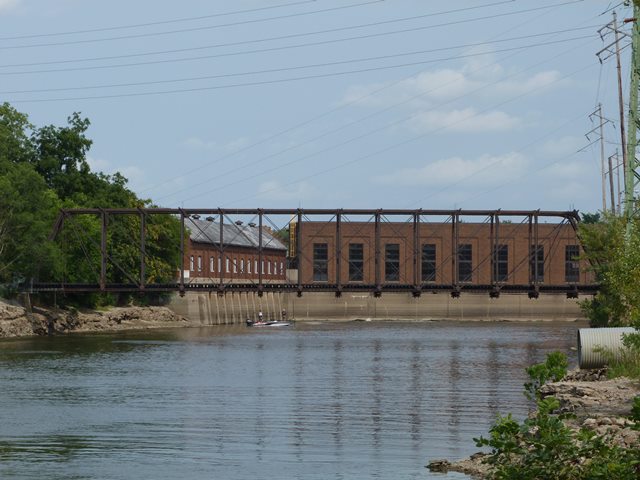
551 444
44 169
612 246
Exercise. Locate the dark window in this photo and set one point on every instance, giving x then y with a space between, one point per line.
465 265
392 262
536 263
320 262
356 262
428 262
501 263
571 263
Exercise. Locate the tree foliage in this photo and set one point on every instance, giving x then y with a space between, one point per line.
44 169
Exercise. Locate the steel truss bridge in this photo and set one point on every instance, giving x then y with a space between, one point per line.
281 221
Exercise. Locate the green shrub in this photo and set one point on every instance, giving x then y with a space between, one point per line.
554 368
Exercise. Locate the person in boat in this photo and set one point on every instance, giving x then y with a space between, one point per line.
260 316
284 315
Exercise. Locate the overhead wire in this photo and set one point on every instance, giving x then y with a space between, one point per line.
403 142
274 49
372 132
301 67
267 39
385 127
426 27
331 111
159 22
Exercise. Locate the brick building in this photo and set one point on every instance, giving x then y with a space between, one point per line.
238 258
441 254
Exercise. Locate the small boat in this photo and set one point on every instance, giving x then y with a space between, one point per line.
270 323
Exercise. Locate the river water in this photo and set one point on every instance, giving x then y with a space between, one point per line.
319 401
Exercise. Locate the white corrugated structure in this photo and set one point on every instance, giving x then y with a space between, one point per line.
593 341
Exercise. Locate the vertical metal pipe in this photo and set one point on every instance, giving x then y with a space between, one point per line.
493 253
103 251
223 264
143 229
536 240
299 249
182 252
532 249
260 255
455 218
497 241
338 250
417 251
611 187
377 263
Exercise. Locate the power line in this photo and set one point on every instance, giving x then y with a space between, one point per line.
245 42
395 145
160 22
272 49
333 110
127 37
297 67
392 124
193 29
281 80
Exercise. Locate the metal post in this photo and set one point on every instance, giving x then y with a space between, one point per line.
143 228
537 249
103 251
182 252
377 263
223 264
338 250
260 255
417 252
492 243
299 250
632 166
454 248
497 242
611 188
623 139
531 249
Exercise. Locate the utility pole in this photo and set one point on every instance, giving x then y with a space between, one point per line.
611 190
632 166
597 114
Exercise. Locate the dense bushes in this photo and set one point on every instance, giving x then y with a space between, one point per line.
543 446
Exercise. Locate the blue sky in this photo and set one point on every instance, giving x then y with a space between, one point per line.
325 103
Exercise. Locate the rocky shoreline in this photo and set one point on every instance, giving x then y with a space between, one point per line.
596 404
17 321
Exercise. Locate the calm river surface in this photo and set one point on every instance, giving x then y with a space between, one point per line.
318 401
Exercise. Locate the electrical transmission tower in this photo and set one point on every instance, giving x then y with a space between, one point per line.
632 167
629 140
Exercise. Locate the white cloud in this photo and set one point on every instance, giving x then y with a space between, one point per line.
133 173
9 5
486 170
479 76
467 120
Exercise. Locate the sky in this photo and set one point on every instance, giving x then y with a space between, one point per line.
477 104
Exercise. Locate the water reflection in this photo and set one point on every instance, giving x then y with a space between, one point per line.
328 401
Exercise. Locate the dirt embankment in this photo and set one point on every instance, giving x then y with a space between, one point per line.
596 403
16 321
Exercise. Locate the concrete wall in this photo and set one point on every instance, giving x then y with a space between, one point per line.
209 309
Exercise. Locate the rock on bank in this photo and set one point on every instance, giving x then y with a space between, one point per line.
16 321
